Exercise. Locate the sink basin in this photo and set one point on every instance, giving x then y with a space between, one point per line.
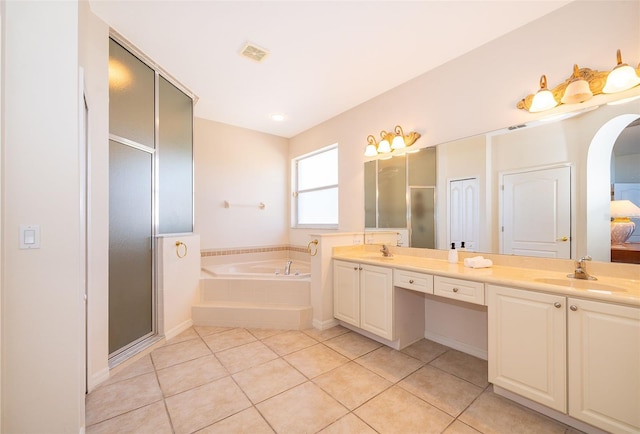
589 285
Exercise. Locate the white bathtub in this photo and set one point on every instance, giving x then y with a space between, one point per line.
271 269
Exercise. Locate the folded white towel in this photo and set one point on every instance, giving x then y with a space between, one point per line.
477 262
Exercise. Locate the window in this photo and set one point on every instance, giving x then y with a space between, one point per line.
315 189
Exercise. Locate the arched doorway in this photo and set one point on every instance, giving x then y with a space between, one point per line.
598 186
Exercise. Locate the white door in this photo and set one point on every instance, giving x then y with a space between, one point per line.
629 191
463 213
536 213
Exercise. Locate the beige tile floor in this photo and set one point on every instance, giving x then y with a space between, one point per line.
234 380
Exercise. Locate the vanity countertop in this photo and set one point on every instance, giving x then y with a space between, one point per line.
610 288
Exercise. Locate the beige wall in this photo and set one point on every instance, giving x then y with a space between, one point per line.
245 168
42 311
477 92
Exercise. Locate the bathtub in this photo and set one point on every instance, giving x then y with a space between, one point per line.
255 294
271 269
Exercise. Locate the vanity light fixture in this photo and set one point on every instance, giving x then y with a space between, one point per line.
581 86
543 99
622 77
621 225
390 142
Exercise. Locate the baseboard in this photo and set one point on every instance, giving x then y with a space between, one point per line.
324 325
97 378
175 331
460 346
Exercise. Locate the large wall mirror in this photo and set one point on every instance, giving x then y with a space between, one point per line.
521 190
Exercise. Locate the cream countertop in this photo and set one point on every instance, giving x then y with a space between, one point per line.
617 283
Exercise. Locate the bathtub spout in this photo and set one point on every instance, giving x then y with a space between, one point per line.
287 268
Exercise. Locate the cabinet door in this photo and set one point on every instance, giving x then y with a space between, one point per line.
346 292
527 344
376 300
604 365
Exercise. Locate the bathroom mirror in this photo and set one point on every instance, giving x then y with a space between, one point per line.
487 161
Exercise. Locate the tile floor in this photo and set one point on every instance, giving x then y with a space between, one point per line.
234 380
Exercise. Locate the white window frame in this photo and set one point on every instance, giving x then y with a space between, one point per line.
295 191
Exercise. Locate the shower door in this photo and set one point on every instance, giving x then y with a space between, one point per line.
132 114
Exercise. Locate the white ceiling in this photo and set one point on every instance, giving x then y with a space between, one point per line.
325 56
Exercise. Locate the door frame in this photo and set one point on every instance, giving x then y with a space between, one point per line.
572 200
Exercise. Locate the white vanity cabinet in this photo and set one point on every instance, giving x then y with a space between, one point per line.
556 350
527 344
604 365
363 297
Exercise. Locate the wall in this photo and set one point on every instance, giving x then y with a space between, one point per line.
476 92
94 58
43 308
245 168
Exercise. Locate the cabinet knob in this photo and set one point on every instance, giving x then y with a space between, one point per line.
557 304
359 268
410 280
455 290
573 307
355 268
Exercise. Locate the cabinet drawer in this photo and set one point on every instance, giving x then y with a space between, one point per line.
463 290
415 281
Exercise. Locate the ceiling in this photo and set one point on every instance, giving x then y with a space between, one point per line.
325 57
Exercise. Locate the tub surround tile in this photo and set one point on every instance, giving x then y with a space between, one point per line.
152 418
245 356
441 389
389 363
187 375
352 345
264 381
350 424
465 366
308 410
200 407
122 397
397 411
352 385
228 339
315 360
492 413
170 355
247 421
425 350
288 342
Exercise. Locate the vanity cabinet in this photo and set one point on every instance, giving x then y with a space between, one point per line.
363 297
576 356
459 289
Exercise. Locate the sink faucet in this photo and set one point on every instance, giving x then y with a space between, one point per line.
287 268
385 251
581 270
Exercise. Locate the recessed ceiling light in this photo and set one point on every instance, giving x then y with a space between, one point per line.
278 117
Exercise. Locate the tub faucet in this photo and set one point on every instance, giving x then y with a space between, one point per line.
385 251
581 270
287 268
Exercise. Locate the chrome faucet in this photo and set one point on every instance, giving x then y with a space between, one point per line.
287 268
385 251
581 270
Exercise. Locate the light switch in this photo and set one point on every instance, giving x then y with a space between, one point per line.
29 236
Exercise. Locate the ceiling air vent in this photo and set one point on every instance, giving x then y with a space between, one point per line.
254 52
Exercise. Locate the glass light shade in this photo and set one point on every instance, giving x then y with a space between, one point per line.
622 77
624 208
398 142
542 100
384 146
370 151
577 91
